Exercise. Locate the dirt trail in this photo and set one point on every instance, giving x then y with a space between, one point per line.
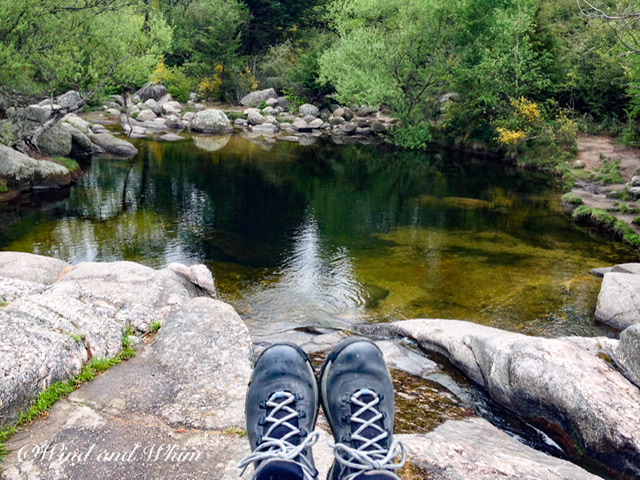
593 152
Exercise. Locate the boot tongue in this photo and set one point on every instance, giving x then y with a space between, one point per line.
366 396
282 430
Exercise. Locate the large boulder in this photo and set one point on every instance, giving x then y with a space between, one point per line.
61 316
308 109
628 353
619 300
254 98
171 108
151 90
80 143
153 106
24 172
77 122
211 121
146 115
113 145
69 100
255 117
55 142
567 386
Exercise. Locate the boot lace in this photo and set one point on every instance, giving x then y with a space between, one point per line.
370 454
280 413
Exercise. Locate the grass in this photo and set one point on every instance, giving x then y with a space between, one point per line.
69 163
234 115
608 173
60 390
606 221
155 326
572 199
3 186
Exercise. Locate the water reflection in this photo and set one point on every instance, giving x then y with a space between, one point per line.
326 235
316 286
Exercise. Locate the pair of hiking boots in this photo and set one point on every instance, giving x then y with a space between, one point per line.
356 393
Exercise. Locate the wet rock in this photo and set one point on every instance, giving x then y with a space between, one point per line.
300 125
171 137
336 121
628 353
475 449
599 272
315 124
266 129
111 144
308 109
254 98
349 128
80 143
619 300
211 121
172 121
566 385
199 275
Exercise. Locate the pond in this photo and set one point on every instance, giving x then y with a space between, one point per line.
331 235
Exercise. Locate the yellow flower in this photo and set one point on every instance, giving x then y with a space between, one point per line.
510 137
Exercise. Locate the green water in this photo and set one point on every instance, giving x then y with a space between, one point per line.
330 235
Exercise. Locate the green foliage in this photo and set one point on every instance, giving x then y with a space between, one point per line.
572 199
3 186
608 172
395 53
57 391
69 163
54 45
178 84
608 222
205 33
155 326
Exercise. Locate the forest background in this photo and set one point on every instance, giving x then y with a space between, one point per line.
520 77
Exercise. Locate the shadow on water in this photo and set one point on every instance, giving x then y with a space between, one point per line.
330 236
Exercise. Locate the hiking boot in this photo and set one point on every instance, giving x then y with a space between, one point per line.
281 412
357 398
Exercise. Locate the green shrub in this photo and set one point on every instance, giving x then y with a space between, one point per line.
606 221
572 199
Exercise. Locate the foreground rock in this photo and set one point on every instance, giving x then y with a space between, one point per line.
22 172
628 353
176 410
58 317
475 449
619 299
566 386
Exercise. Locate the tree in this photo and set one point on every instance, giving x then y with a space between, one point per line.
51 46
395 53
206 33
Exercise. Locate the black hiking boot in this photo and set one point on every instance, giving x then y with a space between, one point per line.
357 398
281 412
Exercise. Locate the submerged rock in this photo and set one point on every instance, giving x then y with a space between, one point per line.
619 300
567 386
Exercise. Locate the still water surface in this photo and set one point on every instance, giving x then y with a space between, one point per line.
330 235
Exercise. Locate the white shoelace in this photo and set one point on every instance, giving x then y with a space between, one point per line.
370 455
281 448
